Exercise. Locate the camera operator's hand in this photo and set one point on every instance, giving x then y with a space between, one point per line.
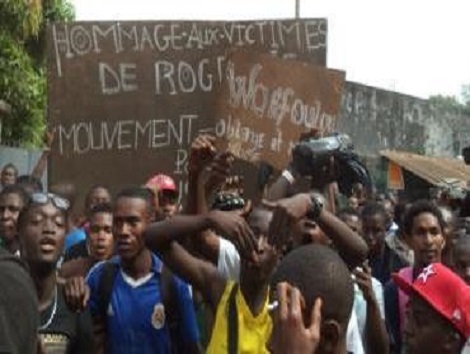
286 213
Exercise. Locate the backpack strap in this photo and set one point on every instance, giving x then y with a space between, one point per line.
105 287
407 274
232 326
168 293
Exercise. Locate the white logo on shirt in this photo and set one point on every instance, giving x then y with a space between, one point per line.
158 316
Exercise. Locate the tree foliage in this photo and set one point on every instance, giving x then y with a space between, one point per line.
451 103
22 65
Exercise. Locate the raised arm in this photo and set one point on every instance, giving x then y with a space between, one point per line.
41 165
162 238
288 211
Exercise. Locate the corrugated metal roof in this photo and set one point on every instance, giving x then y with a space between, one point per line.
439 171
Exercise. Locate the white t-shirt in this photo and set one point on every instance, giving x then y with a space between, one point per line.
360 305
353 337
228 264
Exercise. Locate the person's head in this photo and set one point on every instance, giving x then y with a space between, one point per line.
42 226
351 218
353 202
133 211
438 317
319 272
97 194
30 183
258 220
100 232
449 220
461 257
359 192
423 226
166 192
9 175
374 229
389 207
13 198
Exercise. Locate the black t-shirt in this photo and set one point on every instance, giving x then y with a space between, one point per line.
19 316
68 332
78 250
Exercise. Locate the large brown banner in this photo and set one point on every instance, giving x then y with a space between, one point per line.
127 98
266 103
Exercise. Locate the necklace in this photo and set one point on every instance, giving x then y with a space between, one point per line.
54 309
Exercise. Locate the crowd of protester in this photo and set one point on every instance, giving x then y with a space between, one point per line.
299 271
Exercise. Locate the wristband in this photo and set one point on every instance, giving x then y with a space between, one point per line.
288 176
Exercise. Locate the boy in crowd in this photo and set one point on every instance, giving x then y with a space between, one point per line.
99 245
368 297
75 242
166 196
140 305
247 300
42 228
382 259
438 320
313 307
423 226
12 200
461 257
8 175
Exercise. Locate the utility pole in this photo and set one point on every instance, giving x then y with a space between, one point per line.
297 9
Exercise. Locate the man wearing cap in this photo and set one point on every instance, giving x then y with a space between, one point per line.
166 195
439 317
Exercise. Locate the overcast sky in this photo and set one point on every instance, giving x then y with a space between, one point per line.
417 47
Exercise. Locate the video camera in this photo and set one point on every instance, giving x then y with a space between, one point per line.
313 156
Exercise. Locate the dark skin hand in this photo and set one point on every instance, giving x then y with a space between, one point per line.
288 211
377 340
201 153
290 335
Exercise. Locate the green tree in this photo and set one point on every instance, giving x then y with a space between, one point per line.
459 104
22 65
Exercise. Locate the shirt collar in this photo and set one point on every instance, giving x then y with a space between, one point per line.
157 264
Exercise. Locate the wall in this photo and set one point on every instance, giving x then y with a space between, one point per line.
377 119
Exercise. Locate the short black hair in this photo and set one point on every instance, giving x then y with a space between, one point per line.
319 272
374 208
101 208
30 181
92 189
12 166
140 193
18 190
420 207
